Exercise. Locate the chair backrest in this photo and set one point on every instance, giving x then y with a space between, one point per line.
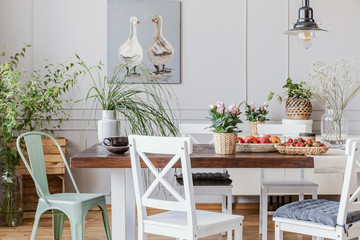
348 201
35 153
180 149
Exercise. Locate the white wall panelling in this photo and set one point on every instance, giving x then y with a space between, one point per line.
231 51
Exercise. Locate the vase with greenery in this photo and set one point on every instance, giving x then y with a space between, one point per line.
224 123
256 115
335 86
28 102
298 105
145 106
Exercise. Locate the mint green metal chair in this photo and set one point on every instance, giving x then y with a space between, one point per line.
73 205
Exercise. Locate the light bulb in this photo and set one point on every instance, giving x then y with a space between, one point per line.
306 38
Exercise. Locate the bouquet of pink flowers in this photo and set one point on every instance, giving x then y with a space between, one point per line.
225 120
254 114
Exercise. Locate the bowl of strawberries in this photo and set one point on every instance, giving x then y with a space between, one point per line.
299 146
257 144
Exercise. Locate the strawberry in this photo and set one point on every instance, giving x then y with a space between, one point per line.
280 144
298 145
308 145
302 144
287 144
309 141
301 140
317 144
295 141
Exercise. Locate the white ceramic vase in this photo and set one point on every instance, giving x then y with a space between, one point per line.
109 125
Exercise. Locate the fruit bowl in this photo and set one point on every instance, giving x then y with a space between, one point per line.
258 147
302 150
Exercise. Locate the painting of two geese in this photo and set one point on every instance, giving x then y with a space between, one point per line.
144 33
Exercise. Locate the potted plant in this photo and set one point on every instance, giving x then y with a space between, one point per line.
256 116
28 102
145 105
298 105
224 125
335 86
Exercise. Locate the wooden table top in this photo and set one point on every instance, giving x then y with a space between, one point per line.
203 156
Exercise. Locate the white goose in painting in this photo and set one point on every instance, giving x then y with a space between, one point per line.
160 51
130 52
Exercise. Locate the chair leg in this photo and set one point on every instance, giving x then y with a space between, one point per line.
229 211
314 195
223 208
260 210
238 232
301 196
77 229
105 218
58 224
35 226
278 233
264 214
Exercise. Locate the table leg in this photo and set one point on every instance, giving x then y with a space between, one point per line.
122 204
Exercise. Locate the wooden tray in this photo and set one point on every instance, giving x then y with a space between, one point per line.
255 147
302 150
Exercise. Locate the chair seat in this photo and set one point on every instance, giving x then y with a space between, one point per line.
315 210
205 219
74 198
283 182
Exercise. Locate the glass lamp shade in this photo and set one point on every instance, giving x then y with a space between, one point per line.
306 38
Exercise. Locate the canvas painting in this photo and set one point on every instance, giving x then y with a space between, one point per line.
144 34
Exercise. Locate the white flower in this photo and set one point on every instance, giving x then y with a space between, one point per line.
211 106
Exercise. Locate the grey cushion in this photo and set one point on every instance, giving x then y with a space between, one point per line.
208 179
315 210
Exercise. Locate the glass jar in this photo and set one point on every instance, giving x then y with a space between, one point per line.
11 211
334 128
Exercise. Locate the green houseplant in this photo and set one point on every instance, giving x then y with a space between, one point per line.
28 102
146 106
256 116
224 123
298 105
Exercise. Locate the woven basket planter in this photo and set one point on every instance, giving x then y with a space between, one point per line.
254 129
225 143
298 108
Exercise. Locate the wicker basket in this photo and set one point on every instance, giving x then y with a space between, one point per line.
257 147
298 108
225 143
302 150
254 129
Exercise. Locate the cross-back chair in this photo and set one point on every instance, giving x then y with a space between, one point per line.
181 220
326 219
73 205
192 130
278 186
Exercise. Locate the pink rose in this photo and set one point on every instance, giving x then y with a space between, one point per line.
233 109
253 107
220 110
261 108
219 104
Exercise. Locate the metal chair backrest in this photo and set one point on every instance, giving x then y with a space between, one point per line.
180 149
35 153
348 200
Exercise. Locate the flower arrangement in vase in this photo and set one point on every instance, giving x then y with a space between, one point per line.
298 105
335 86
256 115
224 124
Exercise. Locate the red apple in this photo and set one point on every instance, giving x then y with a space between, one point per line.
267 136
250 139
264 140
258 139
275 139
239 140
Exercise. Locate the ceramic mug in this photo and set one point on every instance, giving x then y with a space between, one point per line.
116 141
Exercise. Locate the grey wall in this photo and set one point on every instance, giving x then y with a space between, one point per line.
213 53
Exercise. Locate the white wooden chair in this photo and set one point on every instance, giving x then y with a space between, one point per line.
182 220
189 130
348 203
280 186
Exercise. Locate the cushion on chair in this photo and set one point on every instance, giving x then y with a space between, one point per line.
208 179
315 210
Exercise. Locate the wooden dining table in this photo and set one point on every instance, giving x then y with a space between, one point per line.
203 156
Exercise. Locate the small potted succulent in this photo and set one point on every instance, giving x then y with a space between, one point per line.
256 115
298 105
224 124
